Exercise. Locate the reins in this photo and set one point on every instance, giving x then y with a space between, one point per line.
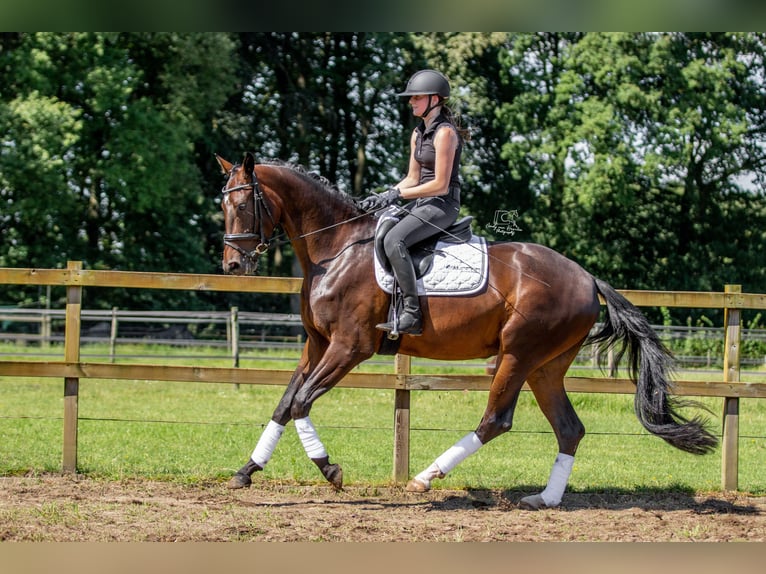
265 243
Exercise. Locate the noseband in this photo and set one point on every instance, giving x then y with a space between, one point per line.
259 207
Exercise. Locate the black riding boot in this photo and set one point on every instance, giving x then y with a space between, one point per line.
410 320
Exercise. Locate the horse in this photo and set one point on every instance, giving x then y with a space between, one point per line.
535 313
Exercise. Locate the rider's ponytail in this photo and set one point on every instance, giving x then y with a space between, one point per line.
454 119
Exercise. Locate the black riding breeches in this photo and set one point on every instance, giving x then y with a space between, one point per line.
423 218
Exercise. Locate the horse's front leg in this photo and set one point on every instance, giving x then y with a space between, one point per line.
336 362
306 386
271 434
317 452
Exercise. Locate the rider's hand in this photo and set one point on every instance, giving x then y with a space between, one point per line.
378 201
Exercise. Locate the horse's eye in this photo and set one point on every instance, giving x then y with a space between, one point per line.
242 206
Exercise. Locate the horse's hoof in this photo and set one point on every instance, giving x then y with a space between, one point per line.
534 502
239 480
416 485
334 474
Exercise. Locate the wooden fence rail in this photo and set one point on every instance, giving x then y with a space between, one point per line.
248 329
402 381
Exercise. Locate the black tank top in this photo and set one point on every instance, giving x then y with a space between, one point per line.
425 154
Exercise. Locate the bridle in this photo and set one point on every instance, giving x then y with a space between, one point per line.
259 207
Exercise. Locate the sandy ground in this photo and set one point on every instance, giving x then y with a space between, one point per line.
74 508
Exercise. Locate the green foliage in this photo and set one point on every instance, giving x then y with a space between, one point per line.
633 141
326 101
755 348
98 163
640 155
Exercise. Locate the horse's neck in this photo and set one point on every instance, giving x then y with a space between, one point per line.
314 216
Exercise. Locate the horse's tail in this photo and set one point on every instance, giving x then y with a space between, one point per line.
649 364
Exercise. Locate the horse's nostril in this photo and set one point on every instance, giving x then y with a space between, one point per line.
233 266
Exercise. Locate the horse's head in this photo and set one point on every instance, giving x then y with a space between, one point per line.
247 218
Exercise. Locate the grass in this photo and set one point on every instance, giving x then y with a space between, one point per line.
193 432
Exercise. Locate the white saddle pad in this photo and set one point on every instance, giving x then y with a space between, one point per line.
458 269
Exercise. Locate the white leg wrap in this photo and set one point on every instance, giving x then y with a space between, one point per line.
267 443
309 438
453 456
557 482
429 474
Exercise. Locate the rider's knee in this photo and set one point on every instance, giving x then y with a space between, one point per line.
390 245
395 247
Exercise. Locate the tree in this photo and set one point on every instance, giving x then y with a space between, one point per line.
706 133
98 162
325 101
322 100
639 155
638 144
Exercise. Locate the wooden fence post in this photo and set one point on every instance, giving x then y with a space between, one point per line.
731 374
233 331
113 336
72 355
402 364
45 330
234 320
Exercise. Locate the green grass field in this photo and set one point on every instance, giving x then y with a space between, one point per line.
200 432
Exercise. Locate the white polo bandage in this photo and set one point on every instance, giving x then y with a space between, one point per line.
309 438
453 456
429 474
457 453
267 443
557 482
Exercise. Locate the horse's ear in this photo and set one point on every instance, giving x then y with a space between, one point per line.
248 163
225 165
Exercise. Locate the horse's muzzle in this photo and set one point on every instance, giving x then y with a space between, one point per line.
237 265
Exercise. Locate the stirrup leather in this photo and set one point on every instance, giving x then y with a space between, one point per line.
411 317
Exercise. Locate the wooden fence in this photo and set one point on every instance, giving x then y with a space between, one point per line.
402 381
237 330
168 328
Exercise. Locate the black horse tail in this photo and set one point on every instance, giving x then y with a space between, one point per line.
649 365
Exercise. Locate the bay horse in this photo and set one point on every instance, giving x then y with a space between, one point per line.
535 314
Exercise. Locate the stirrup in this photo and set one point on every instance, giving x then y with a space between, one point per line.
390 328
394 327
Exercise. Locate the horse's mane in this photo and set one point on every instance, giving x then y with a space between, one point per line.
317 180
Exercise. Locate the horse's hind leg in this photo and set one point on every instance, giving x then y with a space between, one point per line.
498 419
547 384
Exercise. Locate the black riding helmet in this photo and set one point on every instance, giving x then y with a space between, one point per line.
426 82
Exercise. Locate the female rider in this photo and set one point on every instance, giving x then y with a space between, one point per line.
431 186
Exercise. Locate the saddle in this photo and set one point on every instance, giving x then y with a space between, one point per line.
422 253
460 269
